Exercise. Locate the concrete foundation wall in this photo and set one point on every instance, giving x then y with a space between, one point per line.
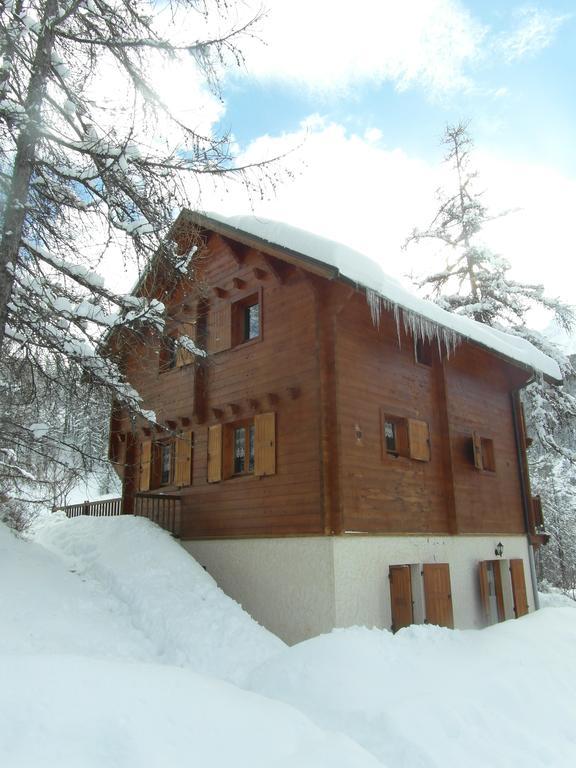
302 587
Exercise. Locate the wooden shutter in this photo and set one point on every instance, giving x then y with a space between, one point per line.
477 448
401 596
419 440
265 444
215 453
145 465
485 591
183 356
518 587
219 328
437 594
537 511
183 459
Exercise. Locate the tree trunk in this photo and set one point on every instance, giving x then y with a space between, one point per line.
17 197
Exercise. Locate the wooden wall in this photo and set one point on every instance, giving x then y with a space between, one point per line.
278 373
466 392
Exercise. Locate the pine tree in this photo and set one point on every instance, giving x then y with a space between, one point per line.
476 282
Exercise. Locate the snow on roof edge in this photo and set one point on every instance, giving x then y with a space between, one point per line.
363 271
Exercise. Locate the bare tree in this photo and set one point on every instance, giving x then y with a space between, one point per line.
74 173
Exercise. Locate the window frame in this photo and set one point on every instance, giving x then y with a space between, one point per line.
483 453
424 352
409 436
239 321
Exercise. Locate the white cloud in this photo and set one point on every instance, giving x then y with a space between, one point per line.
535 31
328 45
369 197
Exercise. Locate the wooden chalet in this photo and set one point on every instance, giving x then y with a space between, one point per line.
344 453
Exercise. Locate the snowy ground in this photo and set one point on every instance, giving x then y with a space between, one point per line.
118 650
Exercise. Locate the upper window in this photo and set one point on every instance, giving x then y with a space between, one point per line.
405 437
246 320
423 352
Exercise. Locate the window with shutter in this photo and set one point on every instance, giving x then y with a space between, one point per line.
183 355
419 440
405 437
483 452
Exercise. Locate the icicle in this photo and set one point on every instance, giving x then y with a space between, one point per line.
414 324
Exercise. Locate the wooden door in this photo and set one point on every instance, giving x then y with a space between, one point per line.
438 594
491 592
401 596
518 587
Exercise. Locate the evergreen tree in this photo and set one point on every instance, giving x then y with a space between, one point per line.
476 282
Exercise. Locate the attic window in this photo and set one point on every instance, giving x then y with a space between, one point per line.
247 319
423 352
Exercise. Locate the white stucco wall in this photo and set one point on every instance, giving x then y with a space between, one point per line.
301 587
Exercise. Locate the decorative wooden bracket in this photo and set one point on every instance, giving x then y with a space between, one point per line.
220 292
159 428
238 250
147 431
234 408
294 392
260 274
184 421
239 283
278 268
171 424
253 403
218 413
273 398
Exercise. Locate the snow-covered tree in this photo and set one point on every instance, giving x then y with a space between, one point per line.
94 161
476 282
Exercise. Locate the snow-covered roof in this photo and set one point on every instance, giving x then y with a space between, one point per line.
349 264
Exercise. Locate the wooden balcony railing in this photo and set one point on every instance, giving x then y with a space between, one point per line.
106 508
162 509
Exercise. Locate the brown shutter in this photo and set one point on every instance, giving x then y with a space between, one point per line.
401 597
419 440
484 590
437 594
183 460
215 453
537 511
219 328
477 448
518 587
265 444
145 465
183 356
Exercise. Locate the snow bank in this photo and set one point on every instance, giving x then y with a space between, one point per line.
431 697
367 272
76 690
168 596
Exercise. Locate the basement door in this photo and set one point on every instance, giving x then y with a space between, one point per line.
401 596
438 594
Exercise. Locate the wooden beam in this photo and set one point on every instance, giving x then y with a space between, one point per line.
218 413
280 269
238 250
260 274
184 421
238 283
220 292
171 424
253 403
446 445
234 408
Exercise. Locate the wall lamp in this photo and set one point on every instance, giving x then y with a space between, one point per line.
499 551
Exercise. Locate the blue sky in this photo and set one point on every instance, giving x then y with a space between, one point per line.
360 93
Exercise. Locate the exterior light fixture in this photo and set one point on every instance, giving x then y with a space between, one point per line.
499 551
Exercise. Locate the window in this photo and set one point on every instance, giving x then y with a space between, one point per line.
405 437
483 451
423 352
246 320
245 447
166 463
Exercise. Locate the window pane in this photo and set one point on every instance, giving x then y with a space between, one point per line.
252 322
251 449
165 457
239 449
390 436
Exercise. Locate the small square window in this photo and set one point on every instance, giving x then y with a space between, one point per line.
483 453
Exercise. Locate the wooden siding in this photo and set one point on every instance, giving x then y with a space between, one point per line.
438 490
